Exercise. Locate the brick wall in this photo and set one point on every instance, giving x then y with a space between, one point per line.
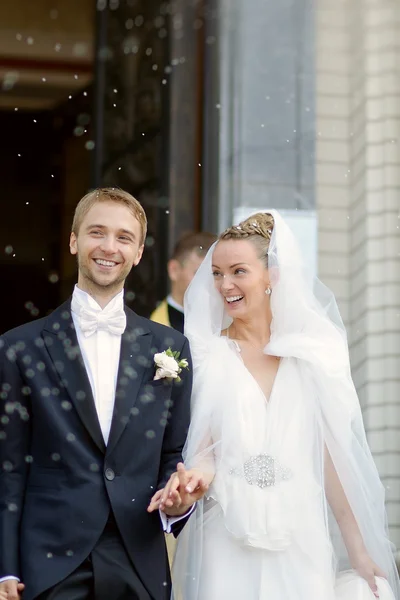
358 200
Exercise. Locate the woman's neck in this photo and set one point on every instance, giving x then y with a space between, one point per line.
256 331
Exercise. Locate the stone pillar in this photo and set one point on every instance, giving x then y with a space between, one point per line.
266 105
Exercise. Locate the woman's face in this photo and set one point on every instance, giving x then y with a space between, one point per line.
240 277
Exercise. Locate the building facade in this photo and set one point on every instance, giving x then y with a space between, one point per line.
203 108
358 204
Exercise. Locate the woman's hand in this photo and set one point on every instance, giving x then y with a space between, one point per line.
368 570
184 488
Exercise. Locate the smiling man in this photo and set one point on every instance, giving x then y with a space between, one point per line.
106 242
86 433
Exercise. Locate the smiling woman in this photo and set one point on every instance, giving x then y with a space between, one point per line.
277 431
241 277
240 267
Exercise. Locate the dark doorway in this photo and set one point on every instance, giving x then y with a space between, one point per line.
44 169
30 227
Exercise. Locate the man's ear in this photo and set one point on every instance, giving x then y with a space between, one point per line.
173 268
138 256
73 246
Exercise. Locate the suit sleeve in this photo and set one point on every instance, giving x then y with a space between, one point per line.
178 420
14 456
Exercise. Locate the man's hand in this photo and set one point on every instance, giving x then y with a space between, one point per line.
11 589
184 488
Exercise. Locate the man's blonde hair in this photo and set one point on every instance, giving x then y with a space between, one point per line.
110 195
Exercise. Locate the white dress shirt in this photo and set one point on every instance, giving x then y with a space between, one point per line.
174 304
101 352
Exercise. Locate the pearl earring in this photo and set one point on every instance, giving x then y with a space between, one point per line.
268 291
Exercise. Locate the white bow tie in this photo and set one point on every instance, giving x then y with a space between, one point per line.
91 321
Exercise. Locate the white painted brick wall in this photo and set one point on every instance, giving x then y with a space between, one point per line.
358 200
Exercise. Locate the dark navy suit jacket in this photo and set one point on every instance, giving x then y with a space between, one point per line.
58 480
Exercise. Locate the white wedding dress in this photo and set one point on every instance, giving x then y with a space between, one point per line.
283 550
265 530
231 568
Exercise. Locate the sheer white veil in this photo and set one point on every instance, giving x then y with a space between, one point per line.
306 327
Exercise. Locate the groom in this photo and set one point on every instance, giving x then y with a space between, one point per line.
87 435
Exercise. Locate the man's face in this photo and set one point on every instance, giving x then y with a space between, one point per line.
182 273
107 246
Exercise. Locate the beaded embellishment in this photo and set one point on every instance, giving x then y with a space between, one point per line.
262 470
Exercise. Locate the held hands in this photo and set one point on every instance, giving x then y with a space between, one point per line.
11 589
184 488
368 570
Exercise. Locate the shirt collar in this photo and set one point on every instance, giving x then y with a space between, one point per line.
86 301
174 304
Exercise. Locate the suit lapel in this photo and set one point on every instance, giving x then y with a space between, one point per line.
136 360
62 344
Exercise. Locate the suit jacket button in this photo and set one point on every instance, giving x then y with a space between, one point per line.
110 475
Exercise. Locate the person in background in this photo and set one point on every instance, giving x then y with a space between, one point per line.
188 254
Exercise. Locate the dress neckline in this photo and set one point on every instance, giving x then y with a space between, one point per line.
238 353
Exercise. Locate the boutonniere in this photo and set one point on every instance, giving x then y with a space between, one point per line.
169 365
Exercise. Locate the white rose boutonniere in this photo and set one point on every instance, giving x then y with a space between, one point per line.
169 365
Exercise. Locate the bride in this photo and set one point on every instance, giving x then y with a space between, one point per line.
294 508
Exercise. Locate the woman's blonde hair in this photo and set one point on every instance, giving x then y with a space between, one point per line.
257 229
110 195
